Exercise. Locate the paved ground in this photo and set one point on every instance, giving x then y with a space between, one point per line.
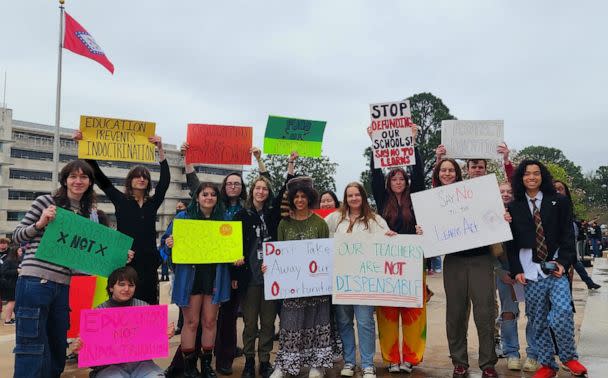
436 362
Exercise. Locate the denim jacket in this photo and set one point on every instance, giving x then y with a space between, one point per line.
184 276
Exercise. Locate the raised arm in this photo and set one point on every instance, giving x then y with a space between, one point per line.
417 183
378 181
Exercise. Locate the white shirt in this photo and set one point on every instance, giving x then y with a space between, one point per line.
532 270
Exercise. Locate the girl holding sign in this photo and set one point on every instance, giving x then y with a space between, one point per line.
305 336
392 196
355 215
42 308
200 288
136 216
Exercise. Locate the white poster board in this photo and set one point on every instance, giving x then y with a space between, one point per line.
472 139
392 140
460 216
297 268
378 270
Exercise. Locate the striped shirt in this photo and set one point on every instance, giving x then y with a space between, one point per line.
27 232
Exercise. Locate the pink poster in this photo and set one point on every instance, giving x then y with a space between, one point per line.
123 334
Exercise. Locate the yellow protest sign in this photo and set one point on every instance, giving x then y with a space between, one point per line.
116 139
206 242
100 295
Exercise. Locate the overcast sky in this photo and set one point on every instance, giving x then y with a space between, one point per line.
542 66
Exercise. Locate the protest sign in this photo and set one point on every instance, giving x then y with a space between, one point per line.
76 242
323 213
81 294
378 270
123 334
297 268
217 144
392 139
206 242
100 295
462 215
116 139
472 139
284 135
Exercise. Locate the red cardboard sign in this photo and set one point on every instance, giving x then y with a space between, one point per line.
217 144
323 213
82 289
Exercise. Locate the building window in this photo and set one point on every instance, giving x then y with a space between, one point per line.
15 215
127 165
213 170
24 195
22 174
33 155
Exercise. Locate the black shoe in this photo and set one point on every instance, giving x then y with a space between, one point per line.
265 369
173 372
206 369
593 286
190 362
178 331
224 370
239 352
249 369
276 336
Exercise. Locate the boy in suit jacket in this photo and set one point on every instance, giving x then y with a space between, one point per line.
542 248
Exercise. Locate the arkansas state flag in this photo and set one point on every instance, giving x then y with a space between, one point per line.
79 41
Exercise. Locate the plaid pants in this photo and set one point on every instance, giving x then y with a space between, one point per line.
548 305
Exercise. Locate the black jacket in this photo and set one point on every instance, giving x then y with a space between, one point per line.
556 218
9 274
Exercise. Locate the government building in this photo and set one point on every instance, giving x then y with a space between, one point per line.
26 171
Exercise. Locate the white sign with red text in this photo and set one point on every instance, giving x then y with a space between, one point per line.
392 140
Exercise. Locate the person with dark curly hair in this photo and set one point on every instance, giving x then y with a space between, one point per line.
542 248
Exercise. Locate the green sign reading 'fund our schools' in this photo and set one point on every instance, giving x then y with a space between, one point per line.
77 243
284 135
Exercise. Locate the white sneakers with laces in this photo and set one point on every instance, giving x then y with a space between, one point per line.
369 372
348 370
394 368
315 373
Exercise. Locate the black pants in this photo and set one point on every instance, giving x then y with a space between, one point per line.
225 339
147 284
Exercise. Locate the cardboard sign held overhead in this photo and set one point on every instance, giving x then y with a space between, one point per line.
123 334
460 216
76 242
216 144
472 139
297 268
392 138
284 135
206 242
377 270
116 139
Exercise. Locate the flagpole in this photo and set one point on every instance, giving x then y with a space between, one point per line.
58 100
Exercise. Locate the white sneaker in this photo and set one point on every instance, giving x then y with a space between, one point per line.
513 363
277 373
406 367
314 373
348 370
394 368
369 372
530 365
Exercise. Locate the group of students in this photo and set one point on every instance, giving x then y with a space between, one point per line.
313 332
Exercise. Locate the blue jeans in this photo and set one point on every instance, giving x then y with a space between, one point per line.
508 327
436 263
42 313
366 330
141 369
597 247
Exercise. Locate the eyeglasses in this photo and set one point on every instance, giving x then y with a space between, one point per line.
233 184
209 194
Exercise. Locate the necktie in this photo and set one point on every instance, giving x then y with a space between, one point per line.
541 246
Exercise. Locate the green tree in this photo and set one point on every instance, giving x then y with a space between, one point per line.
322 170
597 192
556 156
365 177
578 194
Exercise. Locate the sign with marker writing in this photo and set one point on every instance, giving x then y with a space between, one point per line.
123 334
472 139
460 216
297 268
392 139
116 139
81 297
378 270
284 135
76 242
206 241
216 144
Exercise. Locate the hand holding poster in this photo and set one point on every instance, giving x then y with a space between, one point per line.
392 139
78 243
472 139
116 139
206 242
378 270
123 334
461 216
216 144
285 135
297 268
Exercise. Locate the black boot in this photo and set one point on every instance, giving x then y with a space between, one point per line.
249 370
190 370
265 369
206 369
